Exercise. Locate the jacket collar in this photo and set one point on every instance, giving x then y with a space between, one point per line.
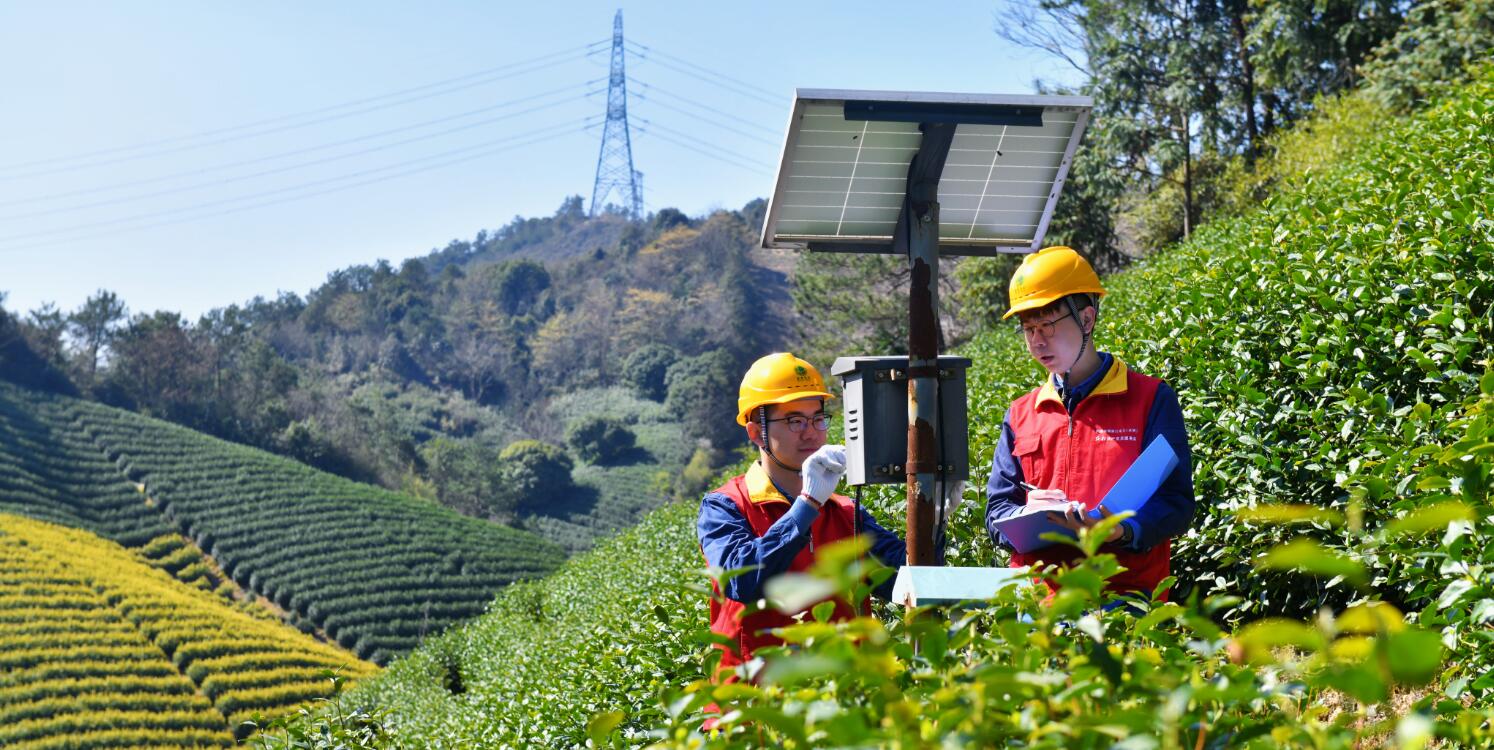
1113 383
760 487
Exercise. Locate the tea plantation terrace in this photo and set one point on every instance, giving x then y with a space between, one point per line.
375 570
100 649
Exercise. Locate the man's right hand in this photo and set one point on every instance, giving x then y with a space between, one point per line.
822 471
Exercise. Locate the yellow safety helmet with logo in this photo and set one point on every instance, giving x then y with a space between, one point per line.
778 379
1048 276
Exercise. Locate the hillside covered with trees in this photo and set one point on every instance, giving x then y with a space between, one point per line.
509 377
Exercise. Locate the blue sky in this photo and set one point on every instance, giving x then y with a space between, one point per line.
188 155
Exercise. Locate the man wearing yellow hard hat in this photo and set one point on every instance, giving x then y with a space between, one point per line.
1072 437
774 517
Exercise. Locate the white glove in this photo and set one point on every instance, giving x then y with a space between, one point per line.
822 471
954 494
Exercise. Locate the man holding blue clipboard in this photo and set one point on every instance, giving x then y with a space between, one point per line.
1075 439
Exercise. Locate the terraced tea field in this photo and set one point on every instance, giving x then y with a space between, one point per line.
53 472
99 649
375 570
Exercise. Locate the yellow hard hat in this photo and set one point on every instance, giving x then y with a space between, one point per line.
778 379
1048 276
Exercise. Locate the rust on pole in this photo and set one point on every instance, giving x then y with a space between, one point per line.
917 234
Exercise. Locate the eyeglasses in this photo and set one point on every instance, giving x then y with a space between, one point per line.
797 423
1043 329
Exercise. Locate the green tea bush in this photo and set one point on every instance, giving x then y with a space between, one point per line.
1017 670
50 471
606 631
289 532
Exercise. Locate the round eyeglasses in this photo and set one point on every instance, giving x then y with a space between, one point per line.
1044 329
797 423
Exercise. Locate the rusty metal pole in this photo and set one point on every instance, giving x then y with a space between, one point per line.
918 235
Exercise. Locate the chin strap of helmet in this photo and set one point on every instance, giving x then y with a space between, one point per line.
762 421
1063 380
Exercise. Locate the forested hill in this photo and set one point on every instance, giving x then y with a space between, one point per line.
560 373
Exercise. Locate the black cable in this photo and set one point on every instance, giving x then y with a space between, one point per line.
462 154
256 133
746 162
737 81
778 102
654 102
113 232
703 152
287 154
290 167
731 116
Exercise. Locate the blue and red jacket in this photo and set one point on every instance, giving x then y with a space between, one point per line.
748 522
1081 442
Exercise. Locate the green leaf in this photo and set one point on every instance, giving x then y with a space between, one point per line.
772 717
1431 518
1414 655
722 577
1261 638
1099 655
1290 513
736 691
1157 616
1371 618
792 593
1361 681
1163 586
601 725
823 610
1307 556
797 668
1454 592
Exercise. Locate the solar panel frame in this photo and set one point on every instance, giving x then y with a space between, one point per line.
863 197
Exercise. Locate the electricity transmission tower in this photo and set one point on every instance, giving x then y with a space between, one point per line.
615 162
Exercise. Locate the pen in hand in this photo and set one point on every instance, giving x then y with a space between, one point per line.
1027 486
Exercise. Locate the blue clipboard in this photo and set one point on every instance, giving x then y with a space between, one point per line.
1132 491
1142 480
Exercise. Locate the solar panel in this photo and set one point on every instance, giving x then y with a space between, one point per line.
844 169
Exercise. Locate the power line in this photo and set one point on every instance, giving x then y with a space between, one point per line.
741 92
736 154
724 126
282 128
776 96
561 130
304 164
732 116
706 148
277 191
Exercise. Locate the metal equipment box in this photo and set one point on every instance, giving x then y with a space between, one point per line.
876 418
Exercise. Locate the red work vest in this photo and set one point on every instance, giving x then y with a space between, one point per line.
761 504
1084 454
